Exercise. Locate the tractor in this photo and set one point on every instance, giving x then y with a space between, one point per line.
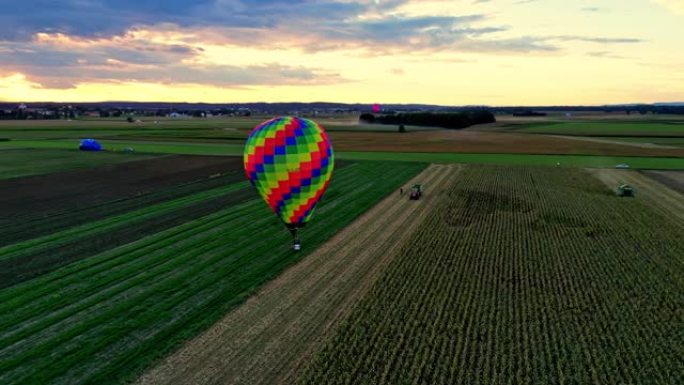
416 192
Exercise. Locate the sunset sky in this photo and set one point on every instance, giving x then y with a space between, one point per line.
449 52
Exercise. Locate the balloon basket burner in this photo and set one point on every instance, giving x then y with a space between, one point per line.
297 243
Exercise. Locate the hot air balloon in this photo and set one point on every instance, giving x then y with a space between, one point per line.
289 160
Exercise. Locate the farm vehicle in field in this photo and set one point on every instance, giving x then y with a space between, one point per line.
625 190
416 192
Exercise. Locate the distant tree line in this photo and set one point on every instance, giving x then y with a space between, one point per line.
54 111
529 113
10 110
643 109
24 114
452 120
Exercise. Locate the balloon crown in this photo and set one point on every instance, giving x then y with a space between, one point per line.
289 160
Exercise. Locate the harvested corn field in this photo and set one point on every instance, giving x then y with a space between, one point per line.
521 276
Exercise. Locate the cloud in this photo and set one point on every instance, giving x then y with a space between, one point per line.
396 33
674 6
152 41
416 33
173 53
372 25
62 61
602 40
309 25
606 55
112 17
20 20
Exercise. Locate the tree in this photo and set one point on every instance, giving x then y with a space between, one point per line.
367 118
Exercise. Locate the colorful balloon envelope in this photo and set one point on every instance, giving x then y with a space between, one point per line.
290 162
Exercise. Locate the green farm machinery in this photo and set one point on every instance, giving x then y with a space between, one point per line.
625 190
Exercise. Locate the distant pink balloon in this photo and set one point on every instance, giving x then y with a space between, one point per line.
376 108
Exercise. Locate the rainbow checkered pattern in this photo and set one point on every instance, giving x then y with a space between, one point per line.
290 161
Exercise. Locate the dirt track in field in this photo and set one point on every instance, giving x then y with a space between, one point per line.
661 197
671 179
617 142
270 337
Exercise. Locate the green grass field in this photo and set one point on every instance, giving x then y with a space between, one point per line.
521 275
151 147
107 128
104 318
608 128
240 123
16 162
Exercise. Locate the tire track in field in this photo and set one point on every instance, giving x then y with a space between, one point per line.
661 197
270 337
616 142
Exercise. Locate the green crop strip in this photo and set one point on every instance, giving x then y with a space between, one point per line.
101 227
33 224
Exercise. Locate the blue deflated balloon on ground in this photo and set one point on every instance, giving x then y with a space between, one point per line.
90 145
